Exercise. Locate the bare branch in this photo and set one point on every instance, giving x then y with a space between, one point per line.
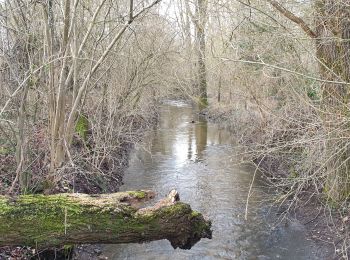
293 18
287 70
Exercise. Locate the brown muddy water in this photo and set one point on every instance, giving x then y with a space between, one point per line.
197 159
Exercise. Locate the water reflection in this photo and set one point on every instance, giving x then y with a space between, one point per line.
196 159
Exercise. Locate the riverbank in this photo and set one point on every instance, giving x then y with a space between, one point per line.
107 179
325 221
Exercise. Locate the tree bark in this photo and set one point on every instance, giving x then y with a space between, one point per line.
201 10
63 219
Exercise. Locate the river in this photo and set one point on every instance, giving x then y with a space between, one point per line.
196 158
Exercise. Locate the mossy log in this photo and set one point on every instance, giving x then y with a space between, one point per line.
66 219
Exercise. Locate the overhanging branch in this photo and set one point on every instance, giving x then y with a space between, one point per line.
288 14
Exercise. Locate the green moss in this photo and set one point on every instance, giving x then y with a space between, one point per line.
4 150
41 220
138 194
82 127
195 214
200 228
176 209
40 216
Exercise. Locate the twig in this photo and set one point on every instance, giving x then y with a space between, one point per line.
251 187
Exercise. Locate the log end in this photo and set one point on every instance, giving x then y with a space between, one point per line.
182 226
201 228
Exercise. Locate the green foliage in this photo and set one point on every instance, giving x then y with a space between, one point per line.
82 127
312 94
312 90
4 150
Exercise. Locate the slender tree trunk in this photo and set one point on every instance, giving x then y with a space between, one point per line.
201 10
49 50
20 149
186 20
60 111
21 177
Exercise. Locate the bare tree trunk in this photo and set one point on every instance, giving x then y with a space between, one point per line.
201 15
186 20
59 118
49 50
20 148
21 177
45 221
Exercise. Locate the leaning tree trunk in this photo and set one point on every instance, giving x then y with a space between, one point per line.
63 219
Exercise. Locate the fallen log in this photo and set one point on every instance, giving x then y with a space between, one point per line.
66 219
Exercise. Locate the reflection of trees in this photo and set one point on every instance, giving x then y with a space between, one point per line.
170 118
197 140
201 134
190 149
158 141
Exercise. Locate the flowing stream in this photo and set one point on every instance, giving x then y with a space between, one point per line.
196 159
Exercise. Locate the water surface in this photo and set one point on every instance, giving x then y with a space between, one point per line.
197 159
